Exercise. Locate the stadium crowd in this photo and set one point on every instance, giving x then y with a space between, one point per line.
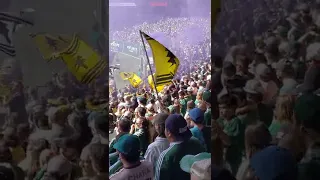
253 111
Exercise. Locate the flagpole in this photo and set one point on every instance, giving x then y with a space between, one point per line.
145 50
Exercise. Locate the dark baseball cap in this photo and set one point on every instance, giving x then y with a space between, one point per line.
178 126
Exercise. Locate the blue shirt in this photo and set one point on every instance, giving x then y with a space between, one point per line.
197 133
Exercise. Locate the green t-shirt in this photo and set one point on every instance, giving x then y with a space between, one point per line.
274 128
235 130
196 102
143 137
188 98
168 164
183 103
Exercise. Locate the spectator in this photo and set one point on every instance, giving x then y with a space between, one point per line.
179 136
160 143
128 147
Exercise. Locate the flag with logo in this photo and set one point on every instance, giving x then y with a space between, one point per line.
133 78
9 24
82 61
49 44
166 63
151 84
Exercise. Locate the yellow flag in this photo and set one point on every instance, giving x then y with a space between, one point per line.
166 63
82 61
133 78
135 81
125 75
49 44
151 84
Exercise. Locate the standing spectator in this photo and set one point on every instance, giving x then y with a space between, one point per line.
199 130
160 143
181 144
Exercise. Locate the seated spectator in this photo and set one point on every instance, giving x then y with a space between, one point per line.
128 147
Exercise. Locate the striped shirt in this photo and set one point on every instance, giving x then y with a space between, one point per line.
160 159
155 149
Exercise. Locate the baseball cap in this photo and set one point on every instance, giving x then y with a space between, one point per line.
128 144
197 115
274 163
178 126
187 161
307 111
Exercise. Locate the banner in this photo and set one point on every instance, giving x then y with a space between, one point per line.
126 48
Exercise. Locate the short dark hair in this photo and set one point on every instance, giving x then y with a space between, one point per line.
124 124
160 120
142 111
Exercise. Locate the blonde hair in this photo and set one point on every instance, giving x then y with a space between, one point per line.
284 108
199 95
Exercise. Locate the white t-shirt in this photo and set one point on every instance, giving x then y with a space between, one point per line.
142 172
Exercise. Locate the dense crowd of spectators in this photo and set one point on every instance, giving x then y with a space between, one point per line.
254 111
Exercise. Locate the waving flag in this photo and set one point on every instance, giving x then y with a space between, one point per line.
166 63
49 44
133 78
82 61
9 24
